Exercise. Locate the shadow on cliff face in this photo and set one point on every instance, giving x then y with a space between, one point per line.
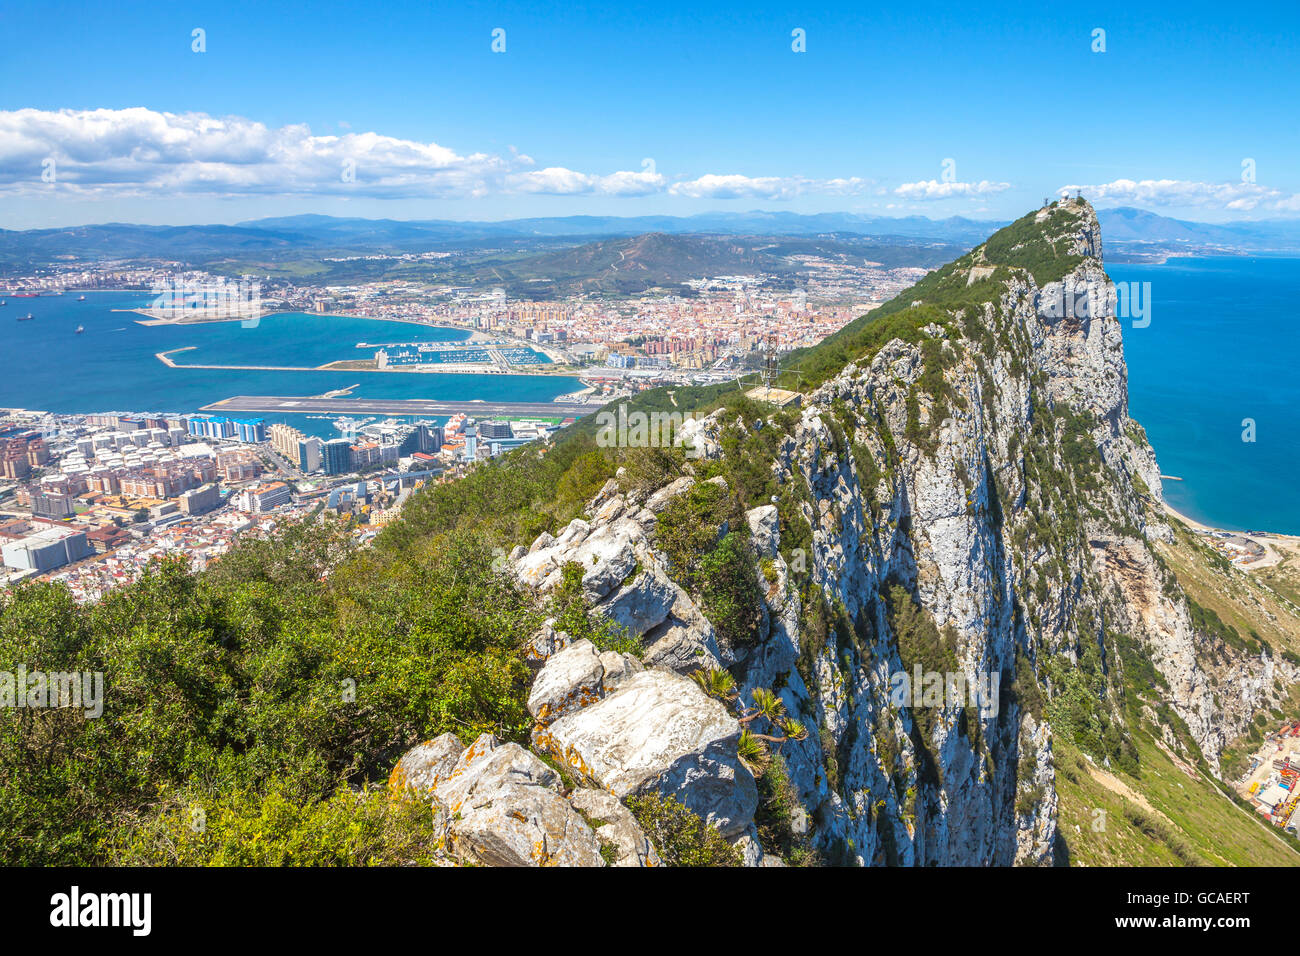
1060 850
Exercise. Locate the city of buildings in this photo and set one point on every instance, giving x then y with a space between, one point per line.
91 500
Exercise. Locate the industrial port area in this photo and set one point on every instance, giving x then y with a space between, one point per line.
1272 784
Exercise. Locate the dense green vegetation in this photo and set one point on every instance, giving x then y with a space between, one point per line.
719 568
1082 709
680 836
293 668
778 805
1039 247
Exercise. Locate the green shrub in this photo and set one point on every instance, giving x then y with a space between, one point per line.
777 804
679 835
280 670
919 639
245 829
729 590
572 616
649 469
688 528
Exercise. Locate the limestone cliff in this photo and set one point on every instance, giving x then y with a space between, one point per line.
966 496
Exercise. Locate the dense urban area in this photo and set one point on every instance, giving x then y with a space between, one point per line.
91 499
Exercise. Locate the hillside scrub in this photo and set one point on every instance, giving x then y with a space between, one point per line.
288 669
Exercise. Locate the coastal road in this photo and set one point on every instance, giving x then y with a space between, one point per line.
417 407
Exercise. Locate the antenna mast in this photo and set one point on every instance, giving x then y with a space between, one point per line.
769 362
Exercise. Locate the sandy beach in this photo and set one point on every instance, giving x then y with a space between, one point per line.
1276 546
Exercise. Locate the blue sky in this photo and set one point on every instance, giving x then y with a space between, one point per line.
129 123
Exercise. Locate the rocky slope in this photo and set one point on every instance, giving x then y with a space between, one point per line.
967 503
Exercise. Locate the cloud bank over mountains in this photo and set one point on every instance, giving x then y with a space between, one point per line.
143 152
1234 197
149 154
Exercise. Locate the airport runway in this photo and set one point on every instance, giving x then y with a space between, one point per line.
418 407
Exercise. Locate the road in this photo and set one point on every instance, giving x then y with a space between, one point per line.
417 407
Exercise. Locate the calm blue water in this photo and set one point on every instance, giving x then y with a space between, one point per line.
1223 345
111 366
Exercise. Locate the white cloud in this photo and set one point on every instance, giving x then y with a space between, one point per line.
139 152
735 186
1230 196
558 181
934 189
143 152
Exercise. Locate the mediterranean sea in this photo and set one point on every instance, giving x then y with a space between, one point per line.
111 366
1223 346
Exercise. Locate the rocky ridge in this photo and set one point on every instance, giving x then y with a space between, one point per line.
975 499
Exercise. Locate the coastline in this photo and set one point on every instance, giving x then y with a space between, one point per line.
150 319
346 365
1276 546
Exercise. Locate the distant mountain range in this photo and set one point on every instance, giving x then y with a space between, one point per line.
263 242
1128 225
632 264
1121 225
758 223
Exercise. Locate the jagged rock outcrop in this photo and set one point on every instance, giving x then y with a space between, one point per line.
626 580
571 679
982 482
658 733
961 531
499 805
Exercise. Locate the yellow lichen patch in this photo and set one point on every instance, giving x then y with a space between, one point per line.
397 780
574 760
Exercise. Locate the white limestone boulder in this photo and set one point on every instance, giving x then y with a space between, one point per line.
421 768
488 765
570 679
500 805
517 825
643 603
658 732
615 827
606 553
618 668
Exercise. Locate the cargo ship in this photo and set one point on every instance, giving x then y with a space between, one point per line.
26 318
27 295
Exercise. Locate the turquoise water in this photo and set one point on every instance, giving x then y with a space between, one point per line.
1223 345
111 366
